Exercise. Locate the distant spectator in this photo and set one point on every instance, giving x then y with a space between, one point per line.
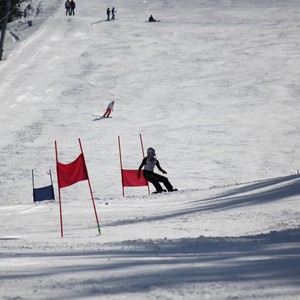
68 7
151 19
113 11
108 14
72 7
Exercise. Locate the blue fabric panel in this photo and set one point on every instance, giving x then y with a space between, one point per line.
43 193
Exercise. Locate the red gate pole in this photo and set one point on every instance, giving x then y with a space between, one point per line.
143 152
59 198
121 165
90 187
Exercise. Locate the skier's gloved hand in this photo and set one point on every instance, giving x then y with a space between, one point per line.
164 172
138 175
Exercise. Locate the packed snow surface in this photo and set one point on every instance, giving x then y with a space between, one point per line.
214 88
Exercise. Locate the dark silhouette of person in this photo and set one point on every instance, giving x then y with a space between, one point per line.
68 7
151 19
113 13
108 13
72 8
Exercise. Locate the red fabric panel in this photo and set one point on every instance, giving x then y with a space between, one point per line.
68 174
129 178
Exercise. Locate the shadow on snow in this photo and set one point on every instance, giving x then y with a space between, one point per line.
138 266
265 191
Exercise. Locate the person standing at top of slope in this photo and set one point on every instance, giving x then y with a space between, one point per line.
108 14
149 162
68 7
72 8
109 109
113 11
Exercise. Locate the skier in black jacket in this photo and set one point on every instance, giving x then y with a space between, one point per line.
149 162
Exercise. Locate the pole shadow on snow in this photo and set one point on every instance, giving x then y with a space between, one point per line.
143 265
100 21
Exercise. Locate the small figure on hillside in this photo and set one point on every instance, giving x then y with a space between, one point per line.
151 19
72 8
109 109
108 14
68 7
149 162
113 11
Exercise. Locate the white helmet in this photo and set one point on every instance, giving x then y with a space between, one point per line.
151 152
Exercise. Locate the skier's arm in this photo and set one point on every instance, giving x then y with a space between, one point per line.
160 168
140 167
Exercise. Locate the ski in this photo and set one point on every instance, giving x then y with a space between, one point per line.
100 118
164 191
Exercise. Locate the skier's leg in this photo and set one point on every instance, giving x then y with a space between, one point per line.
106 112
165 181
167 184
157 186
151 178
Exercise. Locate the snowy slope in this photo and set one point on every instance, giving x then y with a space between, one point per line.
213 88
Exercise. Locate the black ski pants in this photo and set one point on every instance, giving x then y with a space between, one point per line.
155 179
